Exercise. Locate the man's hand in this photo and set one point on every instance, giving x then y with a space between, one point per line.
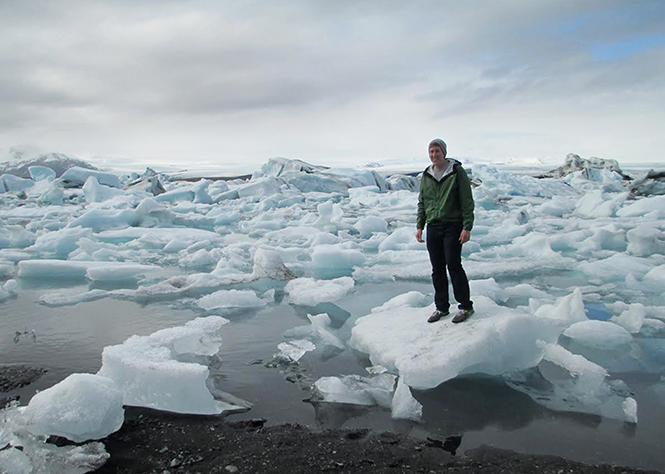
419 236
464 236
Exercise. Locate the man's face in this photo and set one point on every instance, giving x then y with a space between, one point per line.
436 155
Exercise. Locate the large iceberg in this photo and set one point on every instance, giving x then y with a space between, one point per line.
80 408
157 371
496 340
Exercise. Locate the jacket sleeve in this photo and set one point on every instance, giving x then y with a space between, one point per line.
466 198
422 217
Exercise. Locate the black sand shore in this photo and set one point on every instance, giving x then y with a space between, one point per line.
154 442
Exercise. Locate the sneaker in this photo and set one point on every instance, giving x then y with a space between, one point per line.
463 315
436 315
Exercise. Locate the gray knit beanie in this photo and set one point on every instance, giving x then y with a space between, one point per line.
441 144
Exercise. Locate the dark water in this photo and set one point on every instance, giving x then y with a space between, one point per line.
483 409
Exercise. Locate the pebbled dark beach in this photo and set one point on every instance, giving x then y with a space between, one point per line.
155 442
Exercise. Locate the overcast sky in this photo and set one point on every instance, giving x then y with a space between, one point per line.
336 81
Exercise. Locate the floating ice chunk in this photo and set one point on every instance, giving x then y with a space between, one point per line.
606 238
642 206
260 187
152 213
383 273
4 238
599 204
176 245
157 237
631 319
412 298
75 177
532 245
599 334
217 187
148 183
14 183
524 289
227 196
650 183
6 270
495 340
16 236
52 195
196 246
583 387
404 406
354 177
41 173
402 182
268 263
317 332
376 369
335 259
8 289
558 206
106 219
356 390
15 461
616 267
401 239
60 242
157 371
592 168
36 456
309 183
327 213
80 408
567 309
200 258
224 299
319 320
95 192
105 273
656 275
519 185
310 292
489 288
292 351
224 217
175 195
69 300
645 241
505 232
629 406
371 224
277 166
79 269
652 328
200 190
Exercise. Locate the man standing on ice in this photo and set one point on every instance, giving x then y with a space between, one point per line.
445 204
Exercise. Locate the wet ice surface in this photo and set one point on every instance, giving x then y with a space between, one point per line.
327 293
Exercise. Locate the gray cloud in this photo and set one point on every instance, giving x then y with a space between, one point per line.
102 65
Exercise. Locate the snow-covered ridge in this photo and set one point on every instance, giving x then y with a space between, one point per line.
19 163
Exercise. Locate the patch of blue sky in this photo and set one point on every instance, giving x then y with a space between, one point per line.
571 25
609 51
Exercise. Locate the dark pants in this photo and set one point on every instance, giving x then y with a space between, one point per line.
445 250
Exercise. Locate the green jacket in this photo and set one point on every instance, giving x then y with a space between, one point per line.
448 200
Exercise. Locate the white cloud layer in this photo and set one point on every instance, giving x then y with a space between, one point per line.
332 82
